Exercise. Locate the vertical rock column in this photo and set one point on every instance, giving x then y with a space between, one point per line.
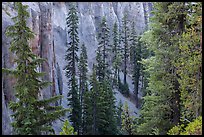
46 45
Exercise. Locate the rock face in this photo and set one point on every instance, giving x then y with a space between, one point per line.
48 22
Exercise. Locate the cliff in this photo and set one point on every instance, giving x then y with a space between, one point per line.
48 20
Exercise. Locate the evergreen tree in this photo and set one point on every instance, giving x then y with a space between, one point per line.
168 39
188 63
67 129
104 45
99 108
119 117
94 104
193 128
31 115
127 121
83 85
160 84
116 53
108 121
99 66
72 58
135 55
87 113
125 38
188 44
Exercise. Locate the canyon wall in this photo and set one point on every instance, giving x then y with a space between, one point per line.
48 22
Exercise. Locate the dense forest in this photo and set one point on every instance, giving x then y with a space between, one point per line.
164 63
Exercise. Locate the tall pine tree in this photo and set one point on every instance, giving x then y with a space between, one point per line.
125 48
99 66
83 85
116 53
104 46
166 40
107 111
135 57
91 103
125 39
72 59
31 115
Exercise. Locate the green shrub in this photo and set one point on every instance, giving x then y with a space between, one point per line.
67 129
193 128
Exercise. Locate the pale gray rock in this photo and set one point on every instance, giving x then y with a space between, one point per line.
48 22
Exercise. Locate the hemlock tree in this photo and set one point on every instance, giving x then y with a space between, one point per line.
99 108
116 53
87 110
175 43
125 52
160 81
72 59
104 45
188 63
135 57
83 85
31 115
107 105
91 103
125 39
100 73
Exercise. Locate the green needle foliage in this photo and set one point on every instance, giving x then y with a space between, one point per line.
99 108
72 59
99 66
119 117
91 107
128 126
31 115
104 46
83 85
67 129
193 128
135 57
116 49
174 69
125 34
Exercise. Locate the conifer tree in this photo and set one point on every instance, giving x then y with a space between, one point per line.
125 53
99 66
166 81
188 62
119 117
127 121
160 81
94 105
135 58
104 45
108 121
116 53
67 129
31 115
72 59
87 113
99 108
125 38
83 85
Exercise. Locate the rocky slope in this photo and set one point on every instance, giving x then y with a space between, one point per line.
48 21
